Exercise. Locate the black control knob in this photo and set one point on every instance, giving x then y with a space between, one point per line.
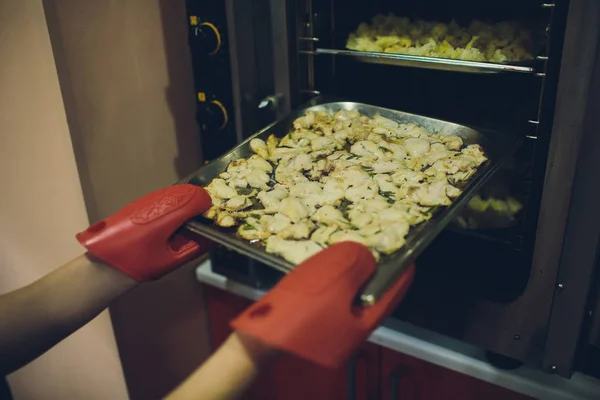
212 116
207 38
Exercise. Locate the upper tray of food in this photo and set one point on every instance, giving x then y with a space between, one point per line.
344 171
478 47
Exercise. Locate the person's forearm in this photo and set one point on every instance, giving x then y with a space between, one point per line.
36 317
228 372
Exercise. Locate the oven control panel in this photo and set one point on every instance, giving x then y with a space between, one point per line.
207 28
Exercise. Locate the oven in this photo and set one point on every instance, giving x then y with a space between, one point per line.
515 274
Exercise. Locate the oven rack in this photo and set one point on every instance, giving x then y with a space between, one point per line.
310 44
510 237
444 64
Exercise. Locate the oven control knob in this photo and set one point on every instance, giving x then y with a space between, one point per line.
208 38
212 115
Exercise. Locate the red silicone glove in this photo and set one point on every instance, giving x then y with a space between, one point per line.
311 312
142 239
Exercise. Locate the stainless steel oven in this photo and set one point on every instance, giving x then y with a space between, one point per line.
521 286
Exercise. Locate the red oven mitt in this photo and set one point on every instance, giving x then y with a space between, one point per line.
312 311
143 239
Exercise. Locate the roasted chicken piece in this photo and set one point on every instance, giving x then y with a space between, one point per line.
348 236
272 198
389 239
295 251
437 193
329 215
219 189
300 230
253 229
259 147
323 233
238 203
225 219
293 209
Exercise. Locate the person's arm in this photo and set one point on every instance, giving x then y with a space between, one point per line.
141 242
38 316
228 372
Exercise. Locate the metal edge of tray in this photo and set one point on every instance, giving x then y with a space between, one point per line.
445 64
392 267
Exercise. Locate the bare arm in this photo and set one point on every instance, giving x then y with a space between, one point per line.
38 316
35 318
228 372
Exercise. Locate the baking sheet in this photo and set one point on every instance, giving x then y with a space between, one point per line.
437 63
497 148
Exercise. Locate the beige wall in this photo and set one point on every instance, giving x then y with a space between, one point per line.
125 72
42 206
126 91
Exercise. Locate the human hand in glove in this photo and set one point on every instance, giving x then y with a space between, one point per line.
143 239
141 242
311 313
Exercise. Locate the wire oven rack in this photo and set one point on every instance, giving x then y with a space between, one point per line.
444 64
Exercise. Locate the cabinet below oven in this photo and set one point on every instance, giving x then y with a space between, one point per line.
399 360
374 372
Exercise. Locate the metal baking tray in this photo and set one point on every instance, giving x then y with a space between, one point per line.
497 147
444 64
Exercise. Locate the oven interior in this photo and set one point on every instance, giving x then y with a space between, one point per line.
492 261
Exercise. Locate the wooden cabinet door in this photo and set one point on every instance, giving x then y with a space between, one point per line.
372 373
363 373
404 377
291 378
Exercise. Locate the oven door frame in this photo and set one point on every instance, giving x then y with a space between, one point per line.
572 306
